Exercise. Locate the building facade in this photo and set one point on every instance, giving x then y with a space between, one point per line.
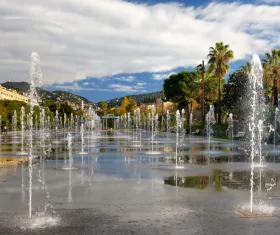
7 94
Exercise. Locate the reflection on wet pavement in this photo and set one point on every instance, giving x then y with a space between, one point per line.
118 178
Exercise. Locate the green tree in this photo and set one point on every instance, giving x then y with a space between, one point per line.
116 111
62 108
103 107
211 88
272 73
219 58
182 88
124 104
131 105
7 108
235 93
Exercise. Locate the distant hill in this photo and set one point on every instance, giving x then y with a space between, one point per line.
140 99
57 96
65 96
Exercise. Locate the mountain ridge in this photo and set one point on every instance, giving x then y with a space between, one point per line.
145 98
65 96
57 96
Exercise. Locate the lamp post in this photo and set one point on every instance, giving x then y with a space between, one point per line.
201 68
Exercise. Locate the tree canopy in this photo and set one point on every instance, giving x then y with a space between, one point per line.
219 58
271 66
235 93
124 105
182 87
103 107
131 105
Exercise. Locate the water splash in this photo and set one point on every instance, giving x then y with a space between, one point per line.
22 115
276 120
191 121
230 127
138 124
82 140
72 121
69 147
56 120
210 121
35 81
14 121
256 118
64 121
167 123
178 121
153 125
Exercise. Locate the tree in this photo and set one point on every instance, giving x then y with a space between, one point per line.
272 73
190 87
124 105
235 95
211 88
62 108
131 105
7 108
103 107
116 111
182 88
219 58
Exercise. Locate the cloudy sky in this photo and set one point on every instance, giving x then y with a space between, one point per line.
103 49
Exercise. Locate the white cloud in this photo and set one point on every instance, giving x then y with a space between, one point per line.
138 87
161 76
270 1
79 39
122 88
125 78
76 87
141 84
72 88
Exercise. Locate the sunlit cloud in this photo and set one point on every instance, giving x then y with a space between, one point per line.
138 88
125 78
75 87
161 76
80 39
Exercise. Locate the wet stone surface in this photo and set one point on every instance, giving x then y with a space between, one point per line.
115 189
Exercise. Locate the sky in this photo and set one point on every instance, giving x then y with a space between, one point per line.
111 48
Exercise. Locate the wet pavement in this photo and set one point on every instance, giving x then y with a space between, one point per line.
118 188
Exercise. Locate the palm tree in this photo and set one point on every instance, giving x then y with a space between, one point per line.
246 67
219 58
272 73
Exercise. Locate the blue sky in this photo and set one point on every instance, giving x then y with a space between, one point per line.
125 84
111 48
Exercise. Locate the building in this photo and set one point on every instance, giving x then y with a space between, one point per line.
7 94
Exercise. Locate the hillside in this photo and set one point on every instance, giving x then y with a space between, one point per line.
60 96
140 99
64 96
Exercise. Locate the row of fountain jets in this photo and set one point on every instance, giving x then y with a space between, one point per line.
126 121
255 121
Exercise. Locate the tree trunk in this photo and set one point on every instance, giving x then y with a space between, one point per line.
275 93
219 103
